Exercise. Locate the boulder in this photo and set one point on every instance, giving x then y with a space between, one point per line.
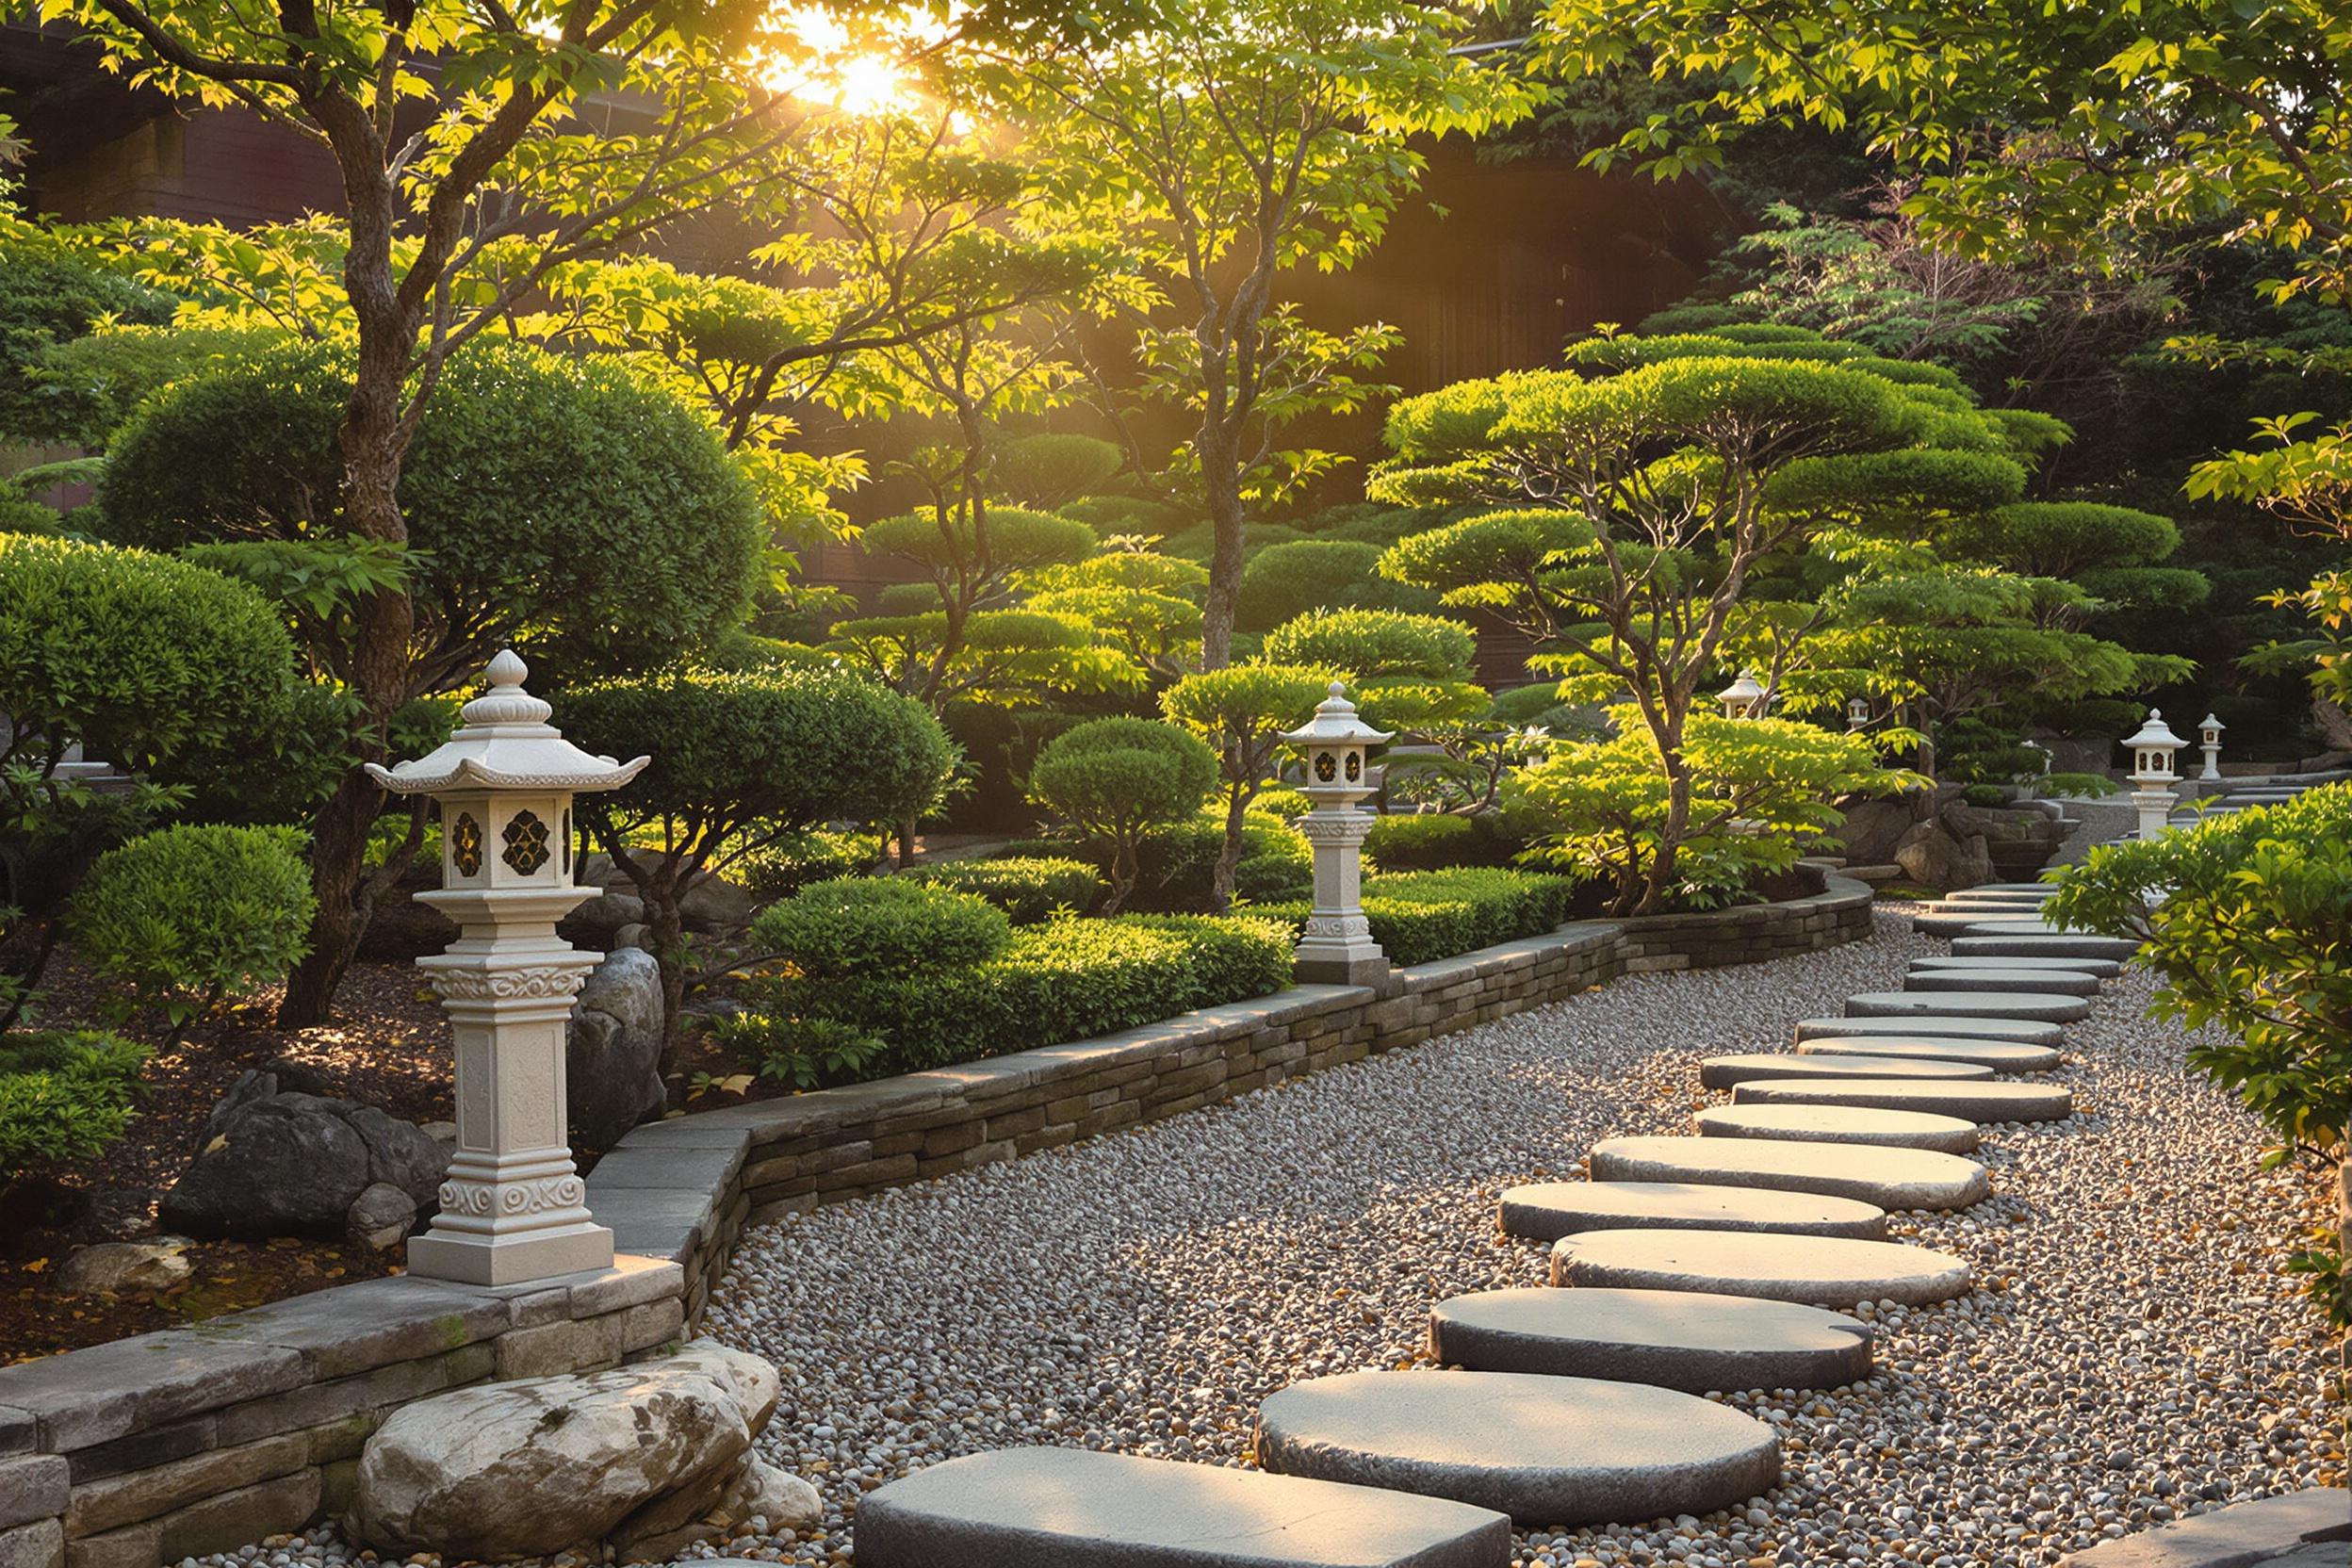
1872 830
613 1049
528 1469
597 919
281 1164
124 1267
380 1218
1932 857
714 904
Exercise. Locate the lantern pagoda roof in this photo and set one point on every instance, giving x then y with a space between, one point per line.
506 742
1335 723
2211 723
2156 733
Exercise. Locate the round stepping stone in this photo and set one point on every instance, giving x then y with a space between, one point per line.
1945 1134
2053 982
2024 1005
2000 1055
2106 969
2022 1031
1546 1211
1996 1102
1995 925
1723 1072
1545 1450
2033 886
1825 1270
1073 1508
2040 893
1940 921
1891 1178
2077 946
1680 1339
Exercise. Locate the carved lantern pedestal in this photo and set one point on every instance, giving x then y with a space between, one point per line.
2154 772
513 1206
1337 947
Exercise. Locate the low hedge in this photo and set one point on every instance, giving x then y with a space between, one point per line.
1063 980
1418 917
853 928
781 868
1430 840
1029 888
1177 864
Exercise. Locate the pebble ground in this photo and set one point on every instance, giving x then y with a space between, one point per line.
2133 1352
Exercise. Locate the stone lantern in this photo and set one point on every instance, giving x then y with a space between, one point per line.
513 1206
1857 713
1743 698
2152 752
2209 742
1338 946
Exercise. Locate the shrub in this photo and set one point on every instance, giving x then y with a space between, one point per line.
1418 917
1284 582
49 296
1115 779
553 498
1028 889
1113 514
1282 802
1052 471
1990 796
741 761
1063 980
782 867
876 925
64 1096
187 918
2242 917
1428 841
1242 712
1370 644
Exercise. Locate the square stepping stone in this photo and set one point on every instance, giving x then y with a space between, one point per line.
2002 1005
1944 1135
1830 1271
1073 1507
1723 1072
1545 1450
1545 1211
1994 1102
1891 1178
1686 1340
1931 1026
2055 982
2000 1055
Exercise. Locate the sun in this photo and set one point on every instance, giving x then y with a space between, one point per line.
827 65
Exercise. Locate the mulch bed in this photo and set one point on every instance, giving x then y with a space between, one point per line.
388 1047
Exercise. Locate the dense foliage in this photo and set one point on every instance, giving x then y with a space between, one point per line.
1028 888
1114 780
64 1096
2245 918
1421 916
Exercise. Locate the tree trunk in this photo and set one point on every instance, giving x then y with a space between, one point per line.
1668 842
373 445
1229 853
1221 475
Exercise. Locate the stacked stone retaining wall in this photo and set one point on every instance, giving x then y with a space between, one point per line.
196 1440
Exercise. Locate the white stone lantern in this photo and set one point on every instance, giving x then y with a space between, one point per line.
2152 752
513 1206
2209 742
1743 698
1857 713
1337 947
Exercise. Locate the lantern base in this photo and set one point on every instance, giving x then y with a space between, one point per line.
483 1259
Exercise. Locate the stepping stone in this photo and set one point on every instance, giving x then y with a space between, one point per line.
1963 897
1945 1134
1824 1270
2023 1031
1073 1508
1723 1072
1891 1178
1955 922
1680 1339
2000 1055
1995 925
1998 1101
2036 887
2016 1004
1545 1450
1546 1211
2105 969
2077 944
2057 981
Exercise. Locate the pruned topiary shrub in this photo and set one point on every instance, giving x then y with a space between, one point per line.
782 867
862 926
1028 888
1429 841
186 919
1114 780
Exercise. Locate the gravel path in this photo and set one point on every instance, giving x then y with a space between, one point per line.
2132 1354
